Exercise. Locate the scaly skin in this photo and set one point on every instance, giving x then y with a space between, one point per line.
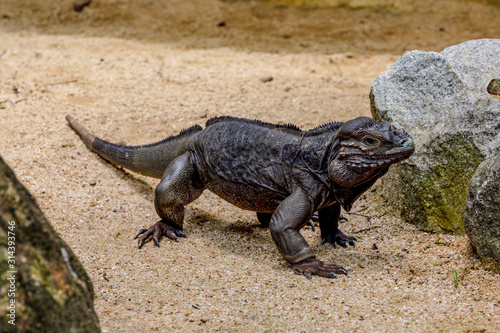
282 173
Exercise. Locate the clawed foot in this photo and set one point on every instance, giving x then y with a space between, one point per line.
340 239
310 267
159 230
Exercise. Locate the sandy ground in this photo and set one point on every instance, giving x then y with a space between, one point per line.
134 78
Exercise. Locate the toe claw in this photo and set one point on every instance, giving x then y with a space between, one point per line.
315 217
156 241
313 226
179 233
140 233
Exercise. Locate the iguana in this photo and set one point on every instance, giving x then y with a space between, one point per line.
279 171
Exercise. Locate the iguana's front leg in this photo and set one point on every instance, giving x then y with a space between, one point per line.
329 226
179 186
286 221
265 218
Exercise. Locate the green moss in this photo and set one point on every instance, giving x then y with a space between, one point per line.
4 268
41 273
435 199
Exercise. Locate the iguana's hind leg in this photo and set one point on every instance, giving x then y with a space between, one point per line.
179 186
329 225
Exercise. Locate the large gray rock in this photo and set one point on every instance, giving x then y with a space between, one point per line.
43 286
482 212
442 100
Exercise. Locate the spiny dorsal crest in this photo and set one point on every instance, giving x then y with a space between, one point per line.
291 128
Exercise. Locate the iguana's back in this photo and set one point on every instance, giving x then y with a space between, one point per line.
253 164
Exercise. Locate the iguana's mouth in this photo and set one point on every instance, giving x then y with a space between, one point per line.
408 147
364 161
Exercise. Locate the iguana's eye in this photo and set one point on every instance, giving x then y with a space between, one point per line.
370 140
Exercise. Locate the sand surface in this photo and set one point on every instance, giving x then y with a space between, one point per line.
136 71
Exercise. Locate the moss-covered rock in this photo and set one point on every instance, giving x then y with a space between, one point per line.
437 196
443 101
43 286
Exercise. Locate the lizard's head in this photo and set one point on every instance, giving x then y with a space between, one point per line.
366 147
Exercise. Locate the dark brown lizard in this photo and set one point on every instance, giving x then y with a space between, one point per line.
282 173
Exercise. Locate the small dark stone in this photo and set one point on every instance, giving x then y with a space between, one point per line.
221 24
78 5
266 79
494 87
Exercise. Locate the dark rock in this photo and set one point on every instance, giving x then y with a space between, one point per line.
442 101
482 212
79 5
48 286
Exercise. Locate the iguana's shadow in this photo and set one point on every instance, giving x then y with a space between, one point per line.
138 184
240 239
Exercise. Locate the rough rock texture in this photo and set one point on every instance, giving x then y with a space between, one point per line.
442 100
482 212
52 292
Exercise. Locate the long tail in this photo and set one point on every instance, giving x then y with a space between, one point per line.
149 160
